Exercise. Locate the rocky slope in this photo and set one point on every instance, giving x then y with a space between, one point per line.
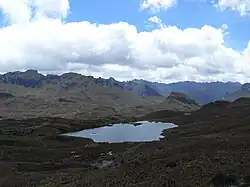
201 92
50 100
179 102
72 95
243 91
33 79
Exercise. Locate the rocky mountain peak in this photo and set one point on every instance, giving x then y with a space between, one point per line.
31 71
182 97
29 78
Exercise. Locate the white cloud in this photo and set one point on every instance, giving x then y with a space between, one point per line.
16 11
155 21
118 50
54 8
157 5
20 11
241 6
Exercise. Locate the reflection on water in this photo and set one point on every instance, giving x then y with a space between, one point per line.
126 132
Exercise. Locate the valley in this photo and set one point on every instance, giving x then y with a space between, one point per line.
208 148
146 93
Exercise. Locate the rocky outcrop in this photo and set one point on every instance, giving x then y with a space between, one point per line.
182 97
243 92
201 92
31 78
178 101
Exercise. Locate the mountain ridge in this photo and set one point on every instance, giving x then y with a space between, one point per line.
243 91
201 92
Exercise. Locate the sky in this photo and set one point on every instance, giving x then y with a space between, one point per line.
156 40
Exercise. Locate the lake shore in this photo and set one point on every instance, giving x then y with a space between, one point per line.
209 148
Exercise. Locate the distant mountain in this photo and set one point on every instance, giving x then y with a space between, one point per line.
243 91
182 97
72 95
76 95
31 78
179 102
71 88
141 89
201 92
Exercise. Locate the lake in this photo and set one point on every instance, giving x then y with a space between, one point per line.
142 131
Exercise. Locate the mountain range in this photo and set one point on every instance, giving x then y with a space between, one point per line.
203 93
72 95
37 110
243 91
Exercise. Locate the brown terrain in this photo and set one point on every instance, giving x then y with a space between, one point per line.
209 148
71 95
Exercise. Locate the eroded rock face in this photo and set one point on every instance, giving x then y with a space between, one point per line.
29 78
201 92
33 79
182 97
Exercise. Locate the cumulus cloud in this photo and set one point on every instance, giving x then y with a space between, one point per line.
52 8
241 6
157 5
154 21
23 11
16 11
42 40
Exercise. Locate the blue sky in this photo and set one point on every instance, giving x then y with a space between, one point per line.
186 39
184 15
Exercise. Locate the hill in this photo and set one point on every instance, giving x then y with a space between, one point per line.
243 91
74 95
200 92
33 79
71 95
179 102
210 147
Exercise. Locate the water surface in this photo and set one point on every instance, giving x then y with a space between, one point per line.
126 132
